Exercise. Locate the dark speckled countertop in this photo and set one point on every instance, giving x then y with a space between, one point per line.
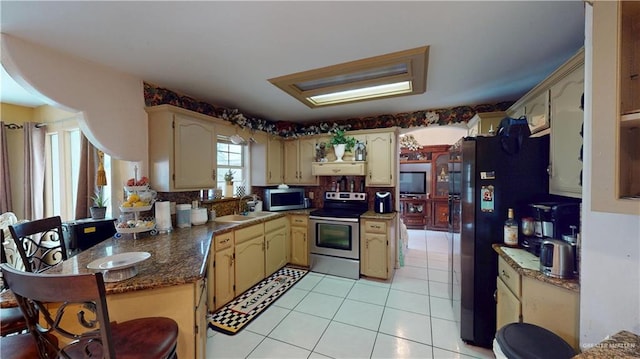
570 284
176 258
623 344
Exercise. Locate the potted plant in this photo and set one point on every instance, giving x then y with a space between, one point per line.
99 209
228 178
341 143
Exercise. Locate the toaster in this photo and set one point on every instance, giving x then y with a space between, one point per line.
557 259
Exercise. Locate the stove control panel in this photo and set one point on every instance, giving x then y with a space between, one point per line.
346 196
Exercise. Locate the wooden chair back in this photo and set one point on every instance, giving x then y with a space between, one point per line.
40 243
81 321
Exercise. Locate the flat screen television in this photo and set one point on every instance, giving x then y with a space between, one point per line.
413 182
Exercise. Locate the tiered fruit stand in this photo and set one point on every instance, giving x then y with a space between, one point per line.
139 198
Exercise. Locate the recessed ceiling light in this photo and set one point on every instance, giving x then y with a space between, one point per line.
396 74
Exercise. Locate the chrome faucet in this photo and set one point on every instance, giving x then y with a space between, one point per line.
242 204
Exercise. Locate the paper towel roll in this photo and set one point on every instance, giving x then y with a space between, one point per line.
163 216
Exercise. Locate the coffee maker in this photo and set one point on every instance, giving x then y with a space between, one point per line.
555 219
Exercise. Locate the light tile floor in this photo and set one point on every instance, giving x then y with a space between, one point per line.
324 316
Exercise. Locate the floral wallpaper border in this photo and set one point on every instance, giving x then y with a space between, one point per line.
154 95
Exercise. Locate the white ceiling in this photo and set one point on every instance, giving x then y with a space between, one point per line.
224 52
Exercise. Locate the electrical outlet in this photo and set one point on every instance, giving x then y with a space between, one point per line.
310 195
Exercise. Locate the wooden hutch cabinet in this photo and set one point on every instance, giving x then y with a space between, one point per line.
428 210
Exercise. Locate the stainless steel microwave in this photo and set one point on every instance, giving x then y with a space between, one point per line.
278 199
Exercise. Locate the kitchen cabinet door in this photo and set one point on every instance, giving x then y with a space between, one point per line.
566 141
200 318
224 273
194 154
267 161
551 307
182 150
298 157
249 263
276 245
299 242
381 159
377 248
507 305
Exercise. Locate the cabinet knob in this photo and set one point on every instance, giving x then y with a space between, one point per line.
504 274
495 296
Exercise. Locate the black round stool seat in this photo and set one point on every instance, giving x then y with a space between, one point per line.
528 341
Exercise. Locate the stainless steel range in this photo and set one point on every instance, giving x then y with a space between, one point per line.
335 234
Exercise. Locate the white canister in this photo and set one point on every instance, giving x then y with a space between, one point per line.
183 215
198 216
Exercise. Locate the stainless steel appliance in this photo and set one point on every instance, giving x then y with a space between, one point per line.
283 199
383 203
557 259
335 234
491 181
555 219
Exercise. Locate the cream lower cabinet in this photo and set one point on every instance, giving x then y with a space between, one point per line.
508 307
249 254
529 300
377 248
298 156
552 307
222 274
276 254
177 138
200 318
299 240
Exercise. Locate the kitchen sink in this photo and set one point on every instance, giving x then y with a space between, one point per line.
237 218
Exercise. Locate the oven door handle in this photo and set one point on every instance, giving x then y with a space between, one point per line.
336 219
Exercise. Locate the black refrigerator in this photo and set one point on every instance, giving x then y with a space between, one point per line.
492 176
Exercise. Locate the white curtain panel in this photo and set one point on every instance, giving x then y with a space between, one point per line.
5 179
34 164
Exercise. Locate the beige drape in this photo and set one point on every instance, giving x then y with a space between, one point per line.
86 178
34 164
5 180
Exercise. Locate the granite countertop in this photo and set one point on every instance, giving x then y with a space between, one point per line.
623 344
374 215
178 257
526 264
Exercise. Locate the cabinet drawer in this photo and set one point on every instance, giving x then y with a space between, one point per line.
222 241
245 234
300 221
341 169
275 224
509 276
375 227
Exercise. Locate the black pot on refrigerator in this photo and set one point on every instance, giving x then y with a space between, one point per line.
383 202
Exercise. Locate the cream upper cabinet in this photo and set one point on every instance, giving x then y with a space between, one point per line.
266 160
382 155
182 150
298 156
276 238
484 123
566 140
615 67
